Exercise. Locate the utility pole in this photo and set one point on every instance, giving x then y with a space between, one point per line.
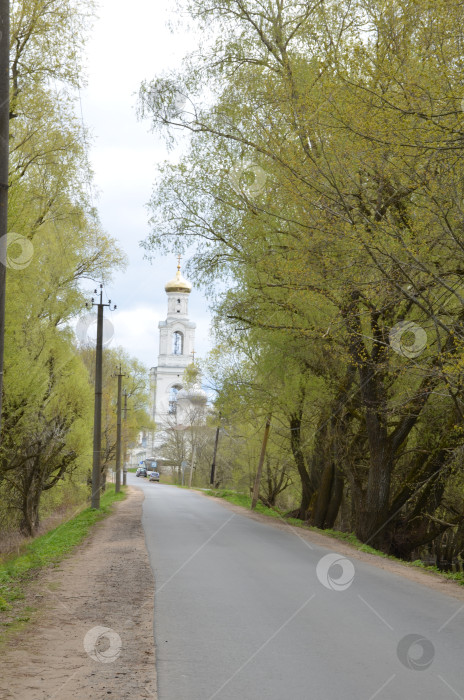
254 500
4 168
96 467
192 465
124 468
213 466
118 432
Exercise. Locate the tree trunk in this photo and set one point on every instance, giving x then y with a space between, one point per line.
307 490
103 481
374 515
323 495
329 497
335 500
30 514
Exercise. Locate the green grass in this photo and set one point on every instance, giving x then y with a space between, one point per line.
243 500
49 549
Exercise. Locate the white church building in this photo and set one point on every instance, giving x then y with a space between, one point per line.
171 404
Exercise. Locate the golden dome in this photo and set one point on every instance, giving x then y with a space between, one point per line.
178 284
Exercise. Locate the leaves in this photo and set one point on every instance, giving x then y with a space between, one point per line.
351 115
55 242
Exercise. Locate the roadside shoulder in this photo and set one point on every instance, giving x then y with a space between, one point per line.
97 609
429 579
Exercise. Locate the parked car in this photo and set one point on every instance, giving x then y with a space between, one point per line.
154 476
141 471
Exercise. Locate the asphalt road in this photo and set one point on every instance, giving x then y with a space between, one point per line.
244 611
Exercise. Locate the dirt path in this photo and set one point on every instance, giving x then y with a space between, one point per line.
94 635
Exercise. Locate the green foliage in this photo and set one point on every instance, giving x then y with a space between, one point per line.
56 241
191 375
323 186
135 383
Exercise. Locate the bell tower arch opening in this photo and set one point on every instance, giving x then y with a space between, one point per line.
174 390
178 343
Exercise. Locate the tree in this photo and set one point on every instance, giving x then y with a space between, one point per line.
136 386
55 242
323 178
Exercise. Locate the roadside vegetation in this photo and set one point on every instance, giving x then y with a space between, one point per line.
55 243
320 196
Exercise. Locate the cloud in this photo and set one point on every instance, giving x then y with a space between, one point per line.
126 48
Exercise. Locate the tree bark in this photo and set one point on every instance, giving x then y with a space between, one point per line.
307 490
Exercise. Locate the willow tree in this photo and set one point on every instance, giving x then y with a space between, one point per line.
55 242
323 180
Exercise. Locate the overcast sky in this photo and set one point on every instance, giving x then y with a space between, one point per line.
131 42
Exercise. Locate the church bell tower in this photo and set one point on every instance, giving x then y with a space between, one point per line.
176 345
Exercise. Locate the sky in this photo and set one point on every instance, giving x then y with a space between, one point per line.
131 42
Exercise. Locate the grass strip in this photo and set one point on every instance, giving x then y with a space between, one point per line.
243 500
49 549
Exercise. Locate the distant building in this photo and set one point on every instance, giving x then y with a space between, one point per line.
171 404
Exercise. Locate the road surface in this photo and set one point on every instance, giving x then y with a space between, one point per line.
246 611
